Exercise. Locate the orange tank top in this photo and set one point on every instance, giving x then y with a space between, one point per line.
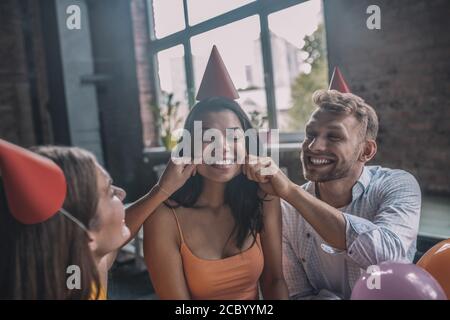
101 294
231 278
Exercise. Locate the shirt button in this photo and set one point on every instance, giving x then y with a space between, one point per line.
303 260
308 235
350 252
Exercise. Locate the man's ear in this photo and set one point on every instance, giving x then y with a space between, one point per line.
369 150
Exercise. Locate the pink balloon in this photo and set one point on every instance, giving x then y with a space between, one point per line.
397 281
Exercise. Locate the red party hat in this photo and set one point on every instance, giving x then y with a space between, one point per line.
216 80
35 186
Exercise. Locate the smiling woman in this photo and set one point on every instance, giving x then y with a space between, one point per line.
206 144
60 215
221 235
218 218
25 271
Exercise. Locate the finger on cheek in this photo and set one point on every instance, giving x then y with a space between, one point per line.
250 173
261 177
255 175
258 177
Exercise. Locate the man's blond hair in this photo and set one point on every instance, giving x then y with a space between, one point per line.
348 103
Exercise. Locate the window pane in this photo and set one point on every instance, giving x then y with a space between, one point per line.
169 17
172 80
241 54
299 61
201 10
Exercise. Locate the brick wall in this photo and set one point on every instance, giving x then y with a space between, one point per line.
403 71
141 45
15 107
23 85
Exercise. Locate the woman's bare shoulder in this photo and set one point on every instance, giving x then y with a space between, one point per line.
162 217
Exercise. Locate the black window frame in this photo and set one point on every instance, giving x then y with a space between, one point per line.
260 8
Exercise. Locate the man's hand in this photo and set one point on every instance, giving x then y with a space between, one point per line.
175 175
270 178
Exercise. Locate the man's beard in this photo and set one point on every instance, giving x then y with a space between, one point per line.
339 171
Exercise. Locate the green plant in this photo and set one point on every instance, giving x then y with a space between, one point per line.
306 84
168 120
257 119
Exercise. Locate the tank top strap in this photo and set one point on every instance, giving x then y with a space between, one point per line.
178 225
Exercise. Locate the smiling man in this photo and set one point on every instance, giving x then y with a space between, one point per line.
349 215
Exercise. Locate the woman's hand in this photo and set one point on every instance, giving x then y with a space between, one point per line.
175 176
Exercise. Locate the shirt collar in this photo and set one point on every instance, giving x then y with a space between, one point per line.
362 183
360 186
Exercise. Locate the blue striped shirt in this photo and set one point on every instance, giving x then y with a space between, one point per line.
382 223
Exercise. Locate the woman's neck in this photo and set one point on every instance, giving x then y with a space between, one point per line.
213 194
101 262
97 258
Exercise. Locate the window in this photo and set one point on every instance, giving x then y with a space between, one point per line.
172 80
201 10
269 47
299 62
241 57
168 16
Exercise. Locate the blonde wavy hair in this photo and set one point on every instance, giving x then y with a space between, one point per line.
349 104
